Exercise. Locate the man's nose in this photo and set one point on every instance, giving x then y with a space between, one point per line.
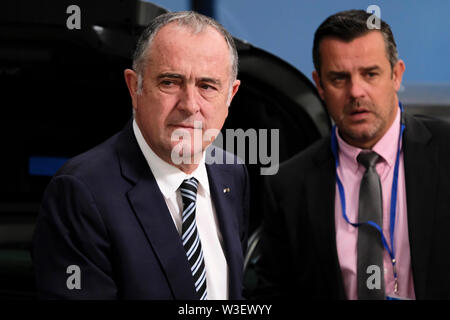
188 100
357 89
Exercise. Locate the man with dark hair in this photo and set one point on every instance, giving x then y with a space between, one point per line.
364 213
137 217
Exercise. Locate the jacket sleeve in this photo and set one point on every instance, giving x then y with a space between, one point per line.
71 249
274 263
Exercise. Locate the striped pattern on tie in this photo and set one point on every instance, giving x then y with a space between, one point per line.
189 236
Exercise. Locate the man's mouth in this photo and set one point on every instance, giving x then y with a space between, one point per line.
185 126
188 125
359 110
359 114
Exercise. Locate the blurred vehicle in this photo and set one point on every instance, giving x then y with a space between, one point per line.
427 99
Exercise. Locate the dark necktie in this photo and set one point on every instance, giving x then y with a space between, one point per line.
370 273
190 238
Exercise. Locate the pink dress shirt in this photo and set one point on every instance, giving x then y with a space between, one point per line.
350 172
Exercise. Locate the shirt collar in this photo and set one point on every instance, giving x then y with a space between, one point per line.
386 147
169 177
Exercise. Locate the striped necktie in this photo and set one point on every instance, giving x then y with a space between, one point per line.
190 238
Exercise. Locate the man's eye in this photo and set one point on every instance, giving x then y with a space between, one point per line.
167 83
207 87
372 74
338 79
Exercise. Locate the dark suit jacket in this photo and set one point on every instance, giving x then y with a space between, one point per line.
103 211
299 255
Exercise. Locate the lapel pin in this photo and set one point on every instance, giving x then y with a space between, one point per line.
226 190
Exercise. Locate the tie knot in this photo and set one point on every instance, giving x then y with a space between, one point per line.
188 188
368 159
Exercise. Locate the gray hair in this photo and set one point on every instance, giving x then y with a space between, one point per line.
190 19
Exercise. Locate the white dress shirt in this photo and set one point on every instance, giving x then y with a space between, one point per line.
169 179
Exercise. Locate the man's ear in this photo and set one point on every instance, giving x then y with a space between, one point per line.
234 89
316 79
397 74
131 79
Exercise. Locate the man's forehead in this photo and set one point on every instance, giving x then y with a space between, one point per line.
174 29
369 42
181 41
172 50
364 51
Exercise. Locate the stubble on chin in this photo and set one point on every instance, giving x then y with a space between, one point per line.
363 132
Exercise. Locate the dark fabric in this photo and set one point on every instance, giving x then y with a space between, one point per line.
299 256
369 245
103 212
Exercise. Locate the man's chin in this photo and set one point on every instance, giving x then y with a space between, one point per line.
359 138
186 154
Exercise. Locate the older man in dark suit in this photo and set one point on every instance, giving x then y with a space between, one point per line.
146 215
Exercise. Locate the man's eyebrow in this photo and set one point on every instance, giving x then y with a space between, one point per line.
210 80
370 68
345 73
179 76
170 75
337 73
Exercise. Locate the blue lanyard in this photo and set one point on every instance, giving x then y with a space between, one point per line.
390 249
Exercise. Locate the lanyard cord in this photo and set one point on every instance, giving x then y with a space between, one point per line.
393 207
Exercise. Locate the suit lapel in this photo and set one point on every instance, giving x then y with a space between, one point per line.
226 205
421 163
321 187
152 213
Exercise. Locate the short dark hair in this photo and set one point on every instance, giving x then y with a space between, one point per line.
348 25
